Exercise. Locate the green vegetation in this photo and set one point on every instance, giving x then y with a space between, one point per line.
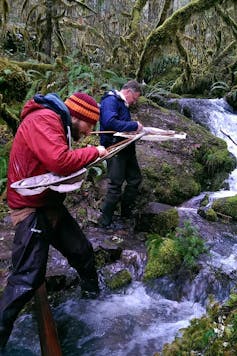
213 334
216 157
167 254
207 213
3 173
119 279
172 184
159 223
226 206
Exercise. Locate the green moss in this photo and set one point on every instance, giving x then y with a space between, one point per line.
118 280
101 258
216 157
205 200
163 257
165 221
207 213
172 185
13 81
175 188
82 212
211 215
226 206
213 334
160 223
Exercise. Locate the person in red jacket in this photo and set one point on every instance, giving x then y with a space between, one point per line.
42 145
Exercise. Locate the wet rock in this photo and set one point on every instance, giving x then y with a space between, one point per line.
118 280
157 218
207 213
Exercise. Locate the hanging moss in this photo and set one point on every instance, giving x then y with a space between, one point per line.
136 16
165 33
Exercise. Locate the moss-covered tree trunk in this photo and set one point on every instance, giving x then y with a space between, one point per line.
49 28
136 16
166 33
164 13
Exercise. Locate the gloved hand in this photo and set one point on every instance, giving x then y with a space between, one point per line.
102 151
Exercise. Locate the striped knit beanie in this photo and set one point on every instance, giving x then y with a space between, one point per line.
83 107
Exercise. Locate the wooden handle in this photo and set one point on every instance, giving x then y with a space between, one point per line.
49 342
110 148
101 132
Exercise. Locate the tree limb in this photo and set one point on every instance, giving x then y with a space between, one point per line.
227 135
165 33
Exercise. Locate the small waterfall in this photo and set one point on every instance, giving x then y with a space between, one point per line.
218 116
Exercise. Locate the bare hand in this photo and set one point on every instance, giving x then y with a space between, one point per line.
102 151
139 127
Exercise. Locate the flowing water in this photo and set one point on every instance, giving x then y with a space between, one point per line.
140 319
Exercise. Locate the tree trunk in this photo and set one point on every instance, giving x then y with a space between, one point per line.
165 34
49 29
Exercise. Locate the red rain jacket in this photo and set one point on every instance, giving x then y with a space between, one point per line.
40 146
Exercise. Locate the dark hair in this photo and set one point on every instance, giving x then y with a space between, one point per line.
133 85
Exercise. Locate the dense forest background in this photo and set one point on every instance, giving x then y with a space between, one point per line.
179 46
174 47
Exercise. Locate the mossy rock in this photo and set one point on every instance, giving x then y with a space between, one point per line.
215 158
176 170
163 257
101 258
199 85
106 252
177 189
226 206
208 214
205 200
171 185
160 222
119 279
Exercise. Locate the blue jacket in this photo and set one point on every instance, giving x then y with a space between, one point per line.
115 116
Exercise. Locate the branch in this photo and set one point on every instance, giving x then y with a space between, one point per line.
227 135
165 33
136 17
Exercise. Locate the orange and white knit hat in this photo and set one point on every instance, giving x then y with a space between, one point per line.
84 107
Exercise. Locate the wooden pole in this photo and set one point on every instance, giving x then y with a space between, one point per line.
49 342
102 132
121 143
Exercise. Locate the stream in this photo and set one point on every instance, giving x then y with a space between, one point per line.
139 319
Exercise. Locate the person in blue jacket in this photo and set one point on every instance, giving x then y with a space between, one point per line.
123 167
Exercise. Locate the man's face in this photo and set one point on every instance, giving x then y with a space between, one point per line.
80 128
132 97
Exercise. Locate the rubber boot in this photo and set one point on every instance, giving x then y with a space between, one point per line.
126 209
107 214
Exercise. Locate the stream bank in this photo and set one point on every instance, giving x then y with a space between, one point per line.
173 173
